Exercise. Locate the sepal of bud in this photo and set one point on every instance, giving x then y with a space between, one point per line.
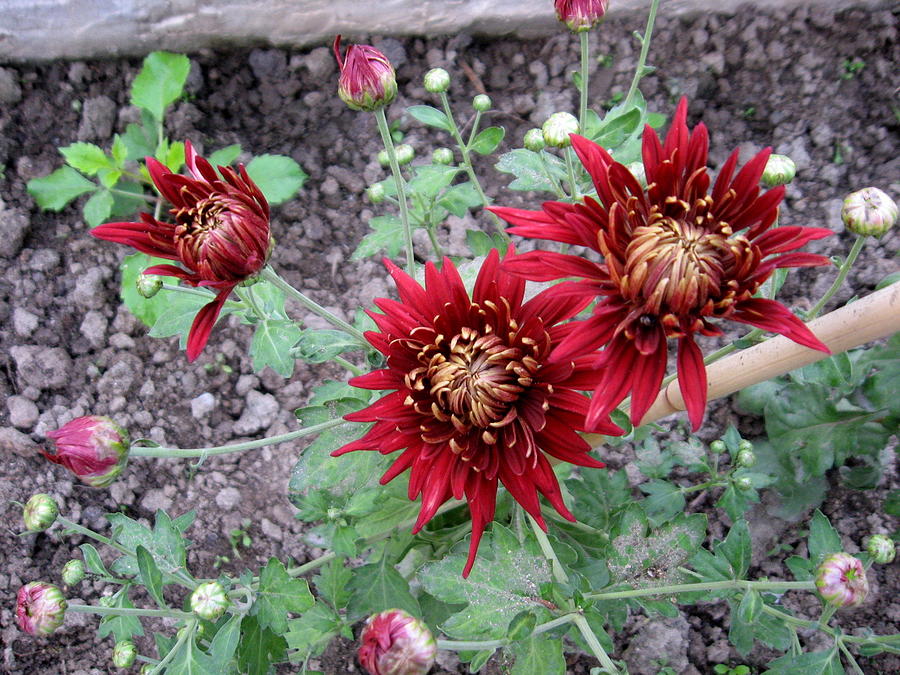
94 448
580 15
482 103
209 600
869 211
367 79
437 81
780 170
442 156
73 572
557 129
40 512
841 580
124 654
534 140
148 285
40 608
396 643
881 548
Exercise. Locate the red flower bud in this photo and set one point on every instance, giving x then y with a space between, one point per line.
94 448
841 580
367 80
40 608
396 643
580 15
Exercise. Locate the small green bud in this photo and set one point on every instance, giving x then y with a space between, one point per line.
148 285
780 170
209 601
405 153
375 192
869 211
124 654
482 103
147 668
743 483
437 81
881 548
557 129
718 446
744 444
534 140
384 159
442 156
73 572
745 458
40 512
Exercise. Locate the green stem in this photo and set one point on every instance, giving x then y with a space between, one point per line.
270 275
551 513
432 236
400 183
478 645
595 645
159 451
642 60
196 291
570 169
585 51
130 611
467 164
850 659
183 637
839 280
341 361
736 584
559 573
550 177
134 195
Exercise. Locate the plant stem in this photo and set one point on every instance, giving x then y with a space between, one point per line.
270 275
400 183
595 645
341 361
130 611
839 280
849 657
570 169
467 164
93 535
585 56
478 645
196 291
642 60
134 195
737 584
159 451
183 637
559 573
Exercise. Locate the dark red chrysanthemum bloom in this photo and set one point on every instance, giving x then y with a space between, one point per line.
476 399
221 233
676 257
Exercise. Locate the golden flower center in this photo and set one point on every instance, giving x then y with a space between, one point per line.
678 261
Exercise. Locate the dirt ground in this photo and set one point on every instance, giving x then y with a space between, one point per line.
68 348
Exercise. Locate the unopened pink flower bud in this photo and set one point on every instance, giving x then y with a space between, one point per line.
40 608
869 211
94 448
580 15
396 643
841 580
367 80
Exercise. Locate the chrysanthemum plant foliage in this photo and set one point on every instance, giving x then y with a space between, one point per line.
441 481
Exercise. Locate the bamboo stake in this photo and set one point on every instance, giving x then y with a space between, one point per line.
871 318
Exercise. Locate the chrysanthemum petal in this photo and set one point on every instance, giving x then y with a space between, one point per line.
203 324
692 380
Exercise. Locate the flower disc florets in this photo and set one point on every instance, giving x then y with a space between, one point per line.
40 608
396 643
94 448
476 401
367 80
676 257
220 236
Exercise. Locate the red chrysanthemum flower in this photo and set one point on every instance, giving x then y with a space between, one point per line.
221 233
676 257
476 399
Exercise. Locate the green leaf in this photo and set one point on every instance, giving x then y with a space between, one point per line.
538 655
488 140
430 116
892 504
310 634
481 243
119 151
664 500
430 179
387 235
86 158
278 177
139 141
120 627
174 157
189 659
332 581
823 538
92 560
736 549
259 648
278 595
530 169
160 82
810 663
750 607
53 192
179 313
378 587
735 501
459 199
147 310
98 207
272 343
319 346
225 156
224 645
740 633
151 577
165 543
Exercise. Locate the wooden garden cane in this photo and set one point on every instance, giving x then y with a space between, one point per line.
873 317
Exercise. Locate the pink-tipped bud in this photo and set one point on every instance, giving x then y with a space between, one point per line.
396 643
94 448
40 608
367 80
580 15
869 211
841 580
